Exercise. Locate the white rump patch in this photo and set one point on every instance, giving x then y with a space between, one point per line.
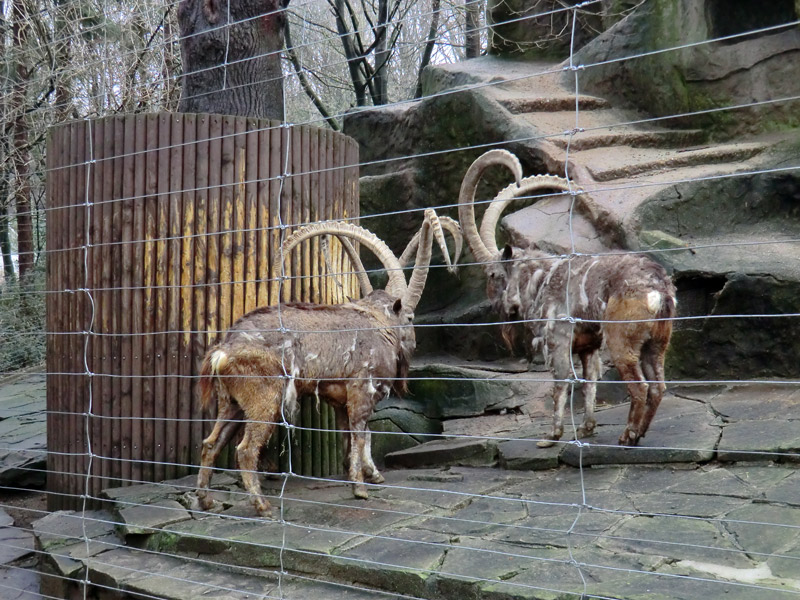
218 360
653 301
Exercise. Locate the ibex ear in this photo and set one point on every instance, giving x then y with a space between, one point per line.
398 305
211 11
507 252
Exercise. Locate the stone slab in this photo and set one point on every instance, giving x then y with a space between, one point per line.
473 452
762 440
19 583
147 518
524 455
14 541
401 561
62 528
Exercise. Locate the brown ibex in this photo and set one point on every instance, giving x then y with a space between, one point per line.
575 304
350 355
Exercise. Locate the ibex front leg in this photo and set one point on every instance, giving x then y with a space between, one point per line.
361 398
559 349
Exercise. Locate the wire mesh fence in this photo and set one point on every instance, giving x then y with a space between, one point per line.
146 242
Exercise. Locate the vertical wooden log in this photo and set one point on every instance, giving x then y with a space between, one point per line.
76 316
239 212
52 306
305 211
141 470
161 312
212 240
125 297
120 424
251 216
150 264
226 225
174 231
313 205
264 233
276 169
200 322
63 419
185 388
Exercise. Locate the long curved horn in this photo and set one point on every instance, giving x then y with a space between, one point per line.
397 283
358 266
419 275
526 187
454 229
466 199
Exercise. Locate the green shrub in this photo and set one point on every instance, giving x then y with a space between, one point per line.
22 323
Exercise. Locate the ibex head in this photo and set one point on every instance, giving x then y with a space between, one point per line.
498 264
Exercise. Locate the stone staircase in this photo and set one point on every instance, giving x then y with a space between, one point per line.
453 526
723 216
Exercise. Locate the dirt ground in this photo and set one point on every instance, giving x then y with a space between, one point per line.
24 506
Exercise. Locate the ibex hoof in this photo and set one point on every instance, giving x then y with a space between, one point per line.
360 491
629 438
549 441
263 508
375 477
585 431
205 501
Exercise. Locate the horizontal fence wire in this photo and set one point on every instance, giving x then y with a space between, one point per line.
478 499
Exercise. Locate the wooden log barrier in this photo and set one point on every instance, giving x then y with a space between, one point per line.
161 229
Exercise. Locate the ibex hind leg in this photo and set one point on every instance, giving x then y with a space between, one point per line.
591 373
224 429
653 368
625 352
255 435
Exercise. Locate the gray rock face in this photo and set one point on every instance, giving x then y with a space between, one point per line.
737 71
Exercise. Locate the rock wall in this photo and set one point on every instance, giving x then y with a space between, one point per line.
702 76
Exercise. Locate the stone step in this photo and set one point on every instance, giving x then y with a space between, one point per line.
444 387
527 104
452 532
140 574
684 430
626 162
669 138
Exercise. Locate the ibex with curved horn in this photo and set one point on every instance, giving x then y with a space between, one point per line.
575 304
450 225
350 355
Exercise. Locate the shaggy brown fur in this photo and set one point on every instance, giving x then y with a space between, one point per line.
626 302
349 355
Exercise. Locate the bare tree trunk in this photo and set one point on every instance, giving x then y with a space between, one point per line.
63 53
430 43
5 246
382 54
231 57
472 31
354 58
20 151
304 82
